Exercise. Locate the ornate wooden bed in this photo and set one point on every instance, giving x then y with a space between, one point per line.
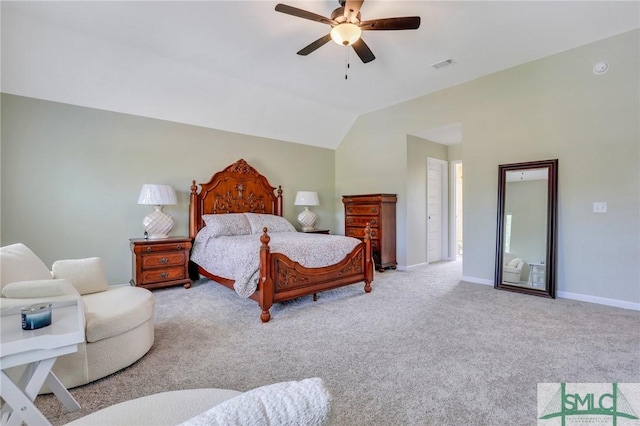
239 188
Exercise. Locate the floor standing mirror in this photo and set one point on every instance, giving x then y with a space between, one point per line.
526 239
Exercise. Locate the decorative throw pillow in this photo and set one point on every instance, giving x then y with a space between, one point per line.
306 402
272 222
229 224
515 262
86 275
19 263
38 288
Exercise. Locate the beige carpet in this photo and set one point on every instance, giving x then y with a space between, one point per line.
422 348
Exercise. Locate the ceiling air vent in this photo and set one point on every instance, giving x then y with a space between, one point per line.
443 64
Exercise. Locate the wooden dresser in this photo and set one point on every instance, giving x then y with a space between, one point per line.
160 263
380 211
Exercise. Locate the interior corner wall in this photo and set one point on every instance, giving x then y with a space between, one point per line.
70 176
555 107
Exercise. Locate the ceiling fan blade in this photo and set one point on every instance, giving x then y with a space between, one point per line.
294 11
352 8
404 23
363 51
316 44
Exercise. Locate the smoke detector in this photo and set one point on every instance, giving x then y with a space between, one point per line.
600 68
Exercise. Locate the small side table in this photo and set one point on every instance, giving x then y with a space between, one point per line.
38 349
316 231
160 263
536 274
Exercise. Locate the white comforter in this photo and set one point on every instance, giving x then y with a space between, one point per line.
238 257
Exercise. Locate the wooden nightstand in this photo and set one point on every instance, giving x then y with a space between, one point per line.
160 263
316 231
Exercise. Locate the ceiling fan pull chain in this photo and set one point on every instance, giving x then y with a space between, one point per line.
346 62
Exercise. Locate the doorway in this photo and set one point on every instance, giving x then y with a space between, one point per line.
437 210
456 210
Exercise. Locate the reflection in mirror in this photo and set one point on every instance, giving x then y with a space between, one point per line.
525 254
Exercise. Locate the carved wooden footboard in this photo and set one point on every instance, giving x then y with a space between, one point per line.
282 279
240 189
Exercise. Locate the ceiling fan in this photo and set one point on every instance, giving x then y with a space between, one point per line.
347 26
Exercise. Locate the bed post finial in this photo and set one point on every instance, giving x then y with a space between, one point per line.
368 263
265 284
193 214
279 208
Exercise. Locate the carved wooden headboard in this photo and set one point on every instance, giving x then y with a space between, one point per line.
238 188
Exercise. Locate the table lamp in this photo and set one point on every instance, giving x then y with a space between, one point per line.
307 219
157 224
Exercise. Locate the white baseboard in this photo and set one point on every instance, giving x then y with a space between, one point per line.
477 280
406 268
600 300
572 296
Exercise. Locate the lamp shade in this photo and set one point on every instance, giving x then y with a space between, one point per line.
306 198
157 195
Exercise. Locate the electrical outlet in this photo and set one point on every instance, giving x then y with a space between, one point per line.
599 206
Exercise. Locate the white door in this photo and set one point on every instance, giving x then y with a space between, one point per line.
434 210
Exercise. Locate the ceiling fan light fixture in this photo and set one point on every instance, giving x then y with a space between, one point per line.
345 34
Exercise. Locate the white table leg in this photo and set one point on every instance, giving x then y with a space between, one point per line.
23 407
19 397
61 392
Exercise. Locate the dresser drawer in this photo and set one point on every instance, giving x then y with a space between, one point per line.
160 275
367 209
361 221
154 248
358 232
163 259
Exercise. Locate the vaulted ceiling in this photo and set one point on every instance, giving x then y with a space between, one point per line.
232 65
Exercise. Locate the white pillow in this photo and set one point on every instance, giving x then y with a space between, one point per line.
515 262
86 275
272 222
38 288
19 263
306 402
229 224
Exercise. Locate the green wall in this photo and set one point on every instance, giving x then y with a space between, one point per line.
555 107
71 176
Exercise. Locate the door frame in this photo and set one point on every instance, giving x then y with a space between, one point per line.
444 207
452 218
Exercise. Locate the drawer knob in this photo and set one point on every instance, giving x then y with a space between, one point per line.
149 248
179 247
164 260
164 275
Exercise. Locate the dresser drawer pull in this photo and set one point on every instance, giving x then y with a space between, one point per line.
179 247
164 275
164 260
149 248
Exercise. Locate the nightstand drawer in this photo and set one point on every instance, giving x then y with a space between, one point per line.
163 259
160 275
153 248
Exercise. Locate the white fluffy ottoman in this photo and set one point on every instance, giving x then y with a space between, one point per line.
306 402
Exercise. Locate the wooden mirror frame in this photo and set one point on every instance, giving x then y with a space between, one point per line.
549 289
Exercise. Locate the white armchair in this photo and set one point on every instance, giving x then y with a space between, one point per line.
512 268
118 319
